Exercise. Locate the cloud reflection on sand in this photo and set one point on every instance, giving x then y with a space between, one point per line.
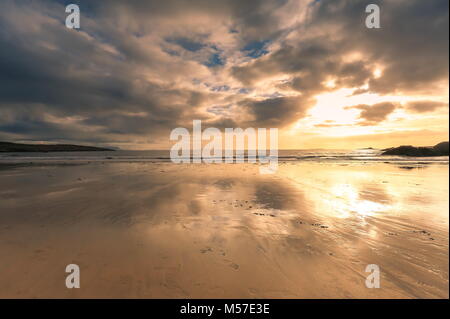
224 230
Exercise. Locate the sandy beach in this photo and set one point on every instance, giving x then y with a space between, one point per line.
162 230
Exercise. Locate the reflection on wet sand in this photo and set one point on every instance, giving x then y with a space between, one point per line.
205 231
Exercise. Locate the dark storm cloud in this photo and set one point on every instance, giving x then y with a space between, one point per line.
277 112
98 72
310 58
252 19
69 74
412 43
138 69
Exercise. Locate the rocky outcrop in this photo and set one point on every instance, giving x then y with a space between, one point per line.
440 149
14 147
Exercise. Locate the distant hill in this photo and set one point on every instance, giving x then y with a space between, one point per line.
15 147
440 149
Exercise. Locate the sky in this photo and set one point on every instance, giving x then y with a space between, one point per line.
136 70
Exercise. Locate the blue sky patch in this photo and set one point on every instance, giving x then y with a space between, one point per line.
187 44
215 60
220 88
256 49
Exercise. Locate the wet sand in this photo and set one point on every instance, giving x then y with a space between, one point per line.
161 230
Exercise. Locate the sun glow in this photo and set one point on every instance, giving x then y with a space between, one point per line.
332 115
377 73
349 203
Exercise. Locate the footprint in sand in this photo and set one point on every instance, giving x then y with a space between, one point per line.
423 232
234 266
252 291
296 222
231 264
319 225
261 214
205 250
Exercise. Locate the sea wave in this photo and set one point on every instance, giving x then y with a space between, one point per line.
164 156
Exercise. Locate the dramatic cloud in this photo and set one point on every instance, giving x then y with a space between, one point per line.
373 114
137 69
277 112
424 106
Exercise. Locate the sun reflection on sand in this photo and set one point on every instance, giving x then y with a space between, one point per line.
216 230
350 203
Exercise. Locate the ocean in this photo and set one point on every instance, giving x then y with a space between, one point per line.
365 155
